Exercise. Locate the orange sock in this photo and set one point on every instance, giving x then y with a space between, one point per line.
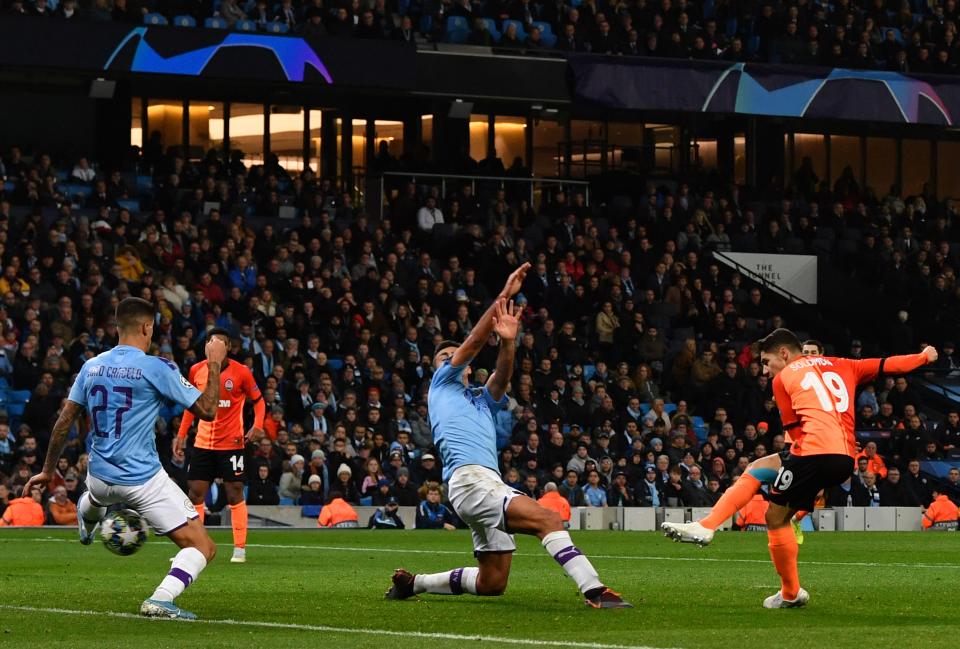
783 552
201 512
733 500
238 518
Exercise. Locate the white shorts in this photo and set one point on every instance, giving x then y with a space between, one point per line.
480 499
159 500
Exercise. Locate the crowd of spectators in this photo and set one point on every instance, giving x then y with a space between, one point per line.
898 35
634 385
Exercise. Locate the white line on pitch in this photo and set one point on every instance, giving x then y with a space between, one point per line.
628 557
344 630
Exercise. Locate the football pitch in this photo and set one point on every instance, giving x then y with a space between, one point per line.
325 589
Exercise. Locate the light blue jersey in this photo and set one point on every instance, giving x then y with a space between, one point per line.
123 390
463 428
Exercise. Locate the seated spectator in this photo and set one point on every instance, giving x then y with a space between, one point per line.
875 463
231 12
649 491
25 511
62 510
260 490
337 513
433 514
510 38
313 495
405 490
291 481
620 494
83 172
554 501
387 517
345 486
942 514
594 495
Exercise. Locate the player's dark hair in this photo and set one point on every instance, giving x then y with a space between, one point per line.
133 311
444 344
815 343
219 331
779 338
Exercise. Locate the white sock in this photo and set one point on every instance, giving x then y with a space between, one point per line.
561 547
88 512
186 567
452 582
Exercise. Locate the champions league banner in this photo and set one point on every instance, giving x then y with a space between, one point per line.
762 89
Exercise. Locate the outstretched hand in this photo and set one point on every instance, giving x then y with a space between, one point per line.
931 354
506 320
515 281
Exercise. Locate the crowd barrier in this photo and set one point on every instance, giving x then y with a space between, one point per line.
633 519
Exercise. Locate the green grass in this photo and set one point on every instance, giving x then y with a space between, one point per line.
876 589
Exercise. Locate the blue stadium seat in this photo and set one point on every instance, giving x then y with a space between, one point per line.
4 384
669 408
457 23
492 28
74 189
311 511
426 24
184 21
589 371
731 27
458 36
549 39
9 186
645 407
709 9
521 32
277 28
132 205
335 364
144 183
544 28
245 26
402 7
154 19
287 501
896 33
215 23
753 45
15 410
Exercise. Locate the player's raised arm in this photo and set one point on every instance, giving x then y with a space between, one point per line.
205 407
478 335
869 368
506 324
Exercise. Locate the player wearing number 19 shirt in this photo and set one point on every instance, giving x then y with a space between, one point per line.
218 447
122 391
815 396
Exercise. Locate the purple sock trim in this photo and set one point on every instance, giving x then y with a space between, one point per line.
566 554
182 575
456 576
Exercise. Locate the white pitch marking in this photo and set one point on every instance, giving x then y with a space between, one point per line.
334 629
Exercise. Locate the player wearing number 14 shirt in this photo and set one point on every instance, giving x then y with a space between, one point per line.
218 447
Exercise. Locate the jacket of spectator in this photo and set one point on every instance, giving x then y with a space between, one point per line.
754 515
337 513
941 514
22 512
552 500
433 516
62 509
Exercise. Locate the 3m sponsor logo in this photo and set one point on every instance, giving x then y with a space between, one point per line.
225 403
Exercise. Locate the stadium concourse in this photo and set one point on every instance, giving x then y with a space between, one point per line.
635 383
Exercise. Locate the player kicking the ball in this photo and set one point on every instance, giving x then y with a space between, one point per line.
765 470
814 395
218 447
464 434
122 390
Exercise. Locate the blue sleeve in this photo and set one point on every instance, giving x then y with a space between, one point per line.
165 376
447 374
494 405
78 392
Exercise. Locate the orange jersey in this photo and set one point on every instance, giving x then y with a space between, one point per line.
225 432
816 396
755 512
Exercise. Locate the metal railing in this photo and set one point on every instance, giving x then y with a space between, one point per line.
535 189
599 156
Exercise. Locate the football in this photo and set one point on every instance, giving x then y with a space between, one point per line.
123 532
